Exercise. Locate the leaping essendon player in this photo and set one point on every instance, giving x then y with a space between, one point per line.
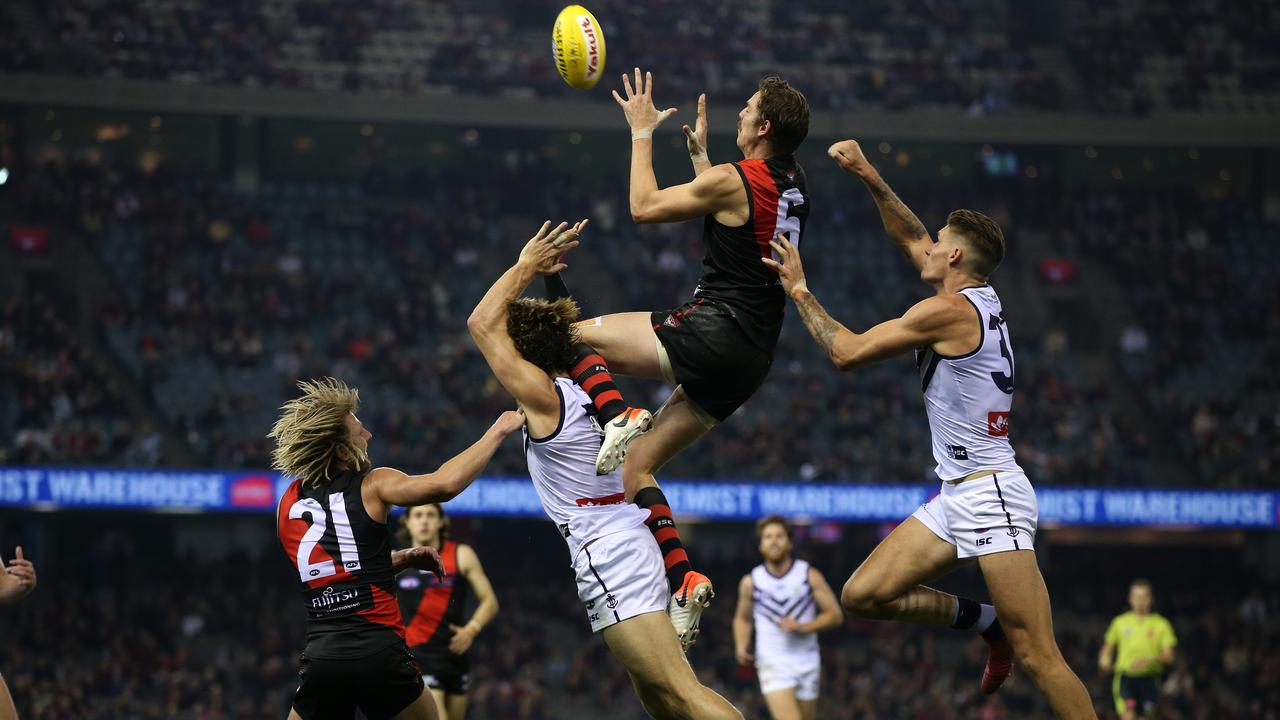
529 345
717 348
332 523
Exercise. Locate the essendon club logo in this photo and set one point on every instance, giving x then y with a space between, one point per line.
998 424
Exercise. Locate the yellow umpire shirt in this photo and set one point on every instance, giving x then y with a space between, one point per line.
1140 637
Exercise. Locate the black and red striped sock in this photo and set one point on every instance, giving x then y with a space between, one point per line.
592 375
663 527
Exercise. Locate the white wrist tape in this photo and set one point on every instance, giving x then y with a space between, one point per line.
644 134
699 158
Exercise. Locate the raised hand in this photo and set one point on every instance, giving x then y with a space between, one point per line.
696 137
642 115
790 270
545 250
849 156
19 580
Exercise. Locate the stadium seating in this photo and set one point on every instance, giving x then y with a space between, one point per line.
225 297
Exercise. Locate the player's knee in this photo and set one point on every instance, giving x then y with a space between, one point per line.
1036 656
663 699
863 599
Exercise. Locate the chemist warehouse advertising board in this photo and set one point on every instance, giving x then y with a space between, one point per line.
49 488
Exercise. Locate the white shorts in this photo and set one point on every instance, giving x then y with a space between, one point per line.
620 576
784 676
990 514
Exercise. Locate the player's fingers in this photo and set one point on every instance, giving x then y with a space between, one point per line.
648 83
618 97
779 248
555 234
702 106
772 263
582 225
18 552
639 82
626 86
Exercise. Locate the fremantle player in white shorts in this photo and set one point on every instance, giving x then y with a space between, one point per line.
787 602
987 507
529 345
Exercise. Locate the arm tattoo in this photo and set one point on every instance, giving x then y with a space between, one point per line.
891 206
821 326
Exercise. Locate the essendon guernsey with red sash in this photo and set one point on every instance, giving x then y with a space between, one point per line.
343 560
778 197
430 606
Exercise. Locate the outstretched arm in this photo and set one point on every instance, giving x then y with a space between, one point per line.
714 189
902 225
384 487
530 385
927 322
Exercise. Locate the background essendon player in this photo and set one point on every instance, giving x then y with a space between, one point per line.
718 348
433 608
332 524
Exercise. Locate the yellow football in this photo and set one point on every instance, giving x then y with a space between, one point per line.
577 45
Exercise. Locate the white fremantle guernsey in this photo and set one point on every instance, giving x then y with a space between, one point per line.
774 598
584 506
968 397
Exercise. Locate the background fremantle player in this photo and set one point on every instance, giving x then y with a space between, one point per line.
718 347
787 602
332 525
529 345
433 608
987 508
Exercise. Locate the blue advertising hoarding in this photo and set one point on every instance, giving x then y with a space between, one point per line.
195 490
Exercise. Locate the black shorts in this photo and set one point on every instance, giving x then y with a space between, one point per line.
1138 693
451 674
381 685
718 365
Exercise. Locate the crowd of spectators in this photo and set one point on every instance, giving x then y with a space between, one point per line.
62 404
1202 280
873 54
1203 55
225 298
1134 58
118 629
